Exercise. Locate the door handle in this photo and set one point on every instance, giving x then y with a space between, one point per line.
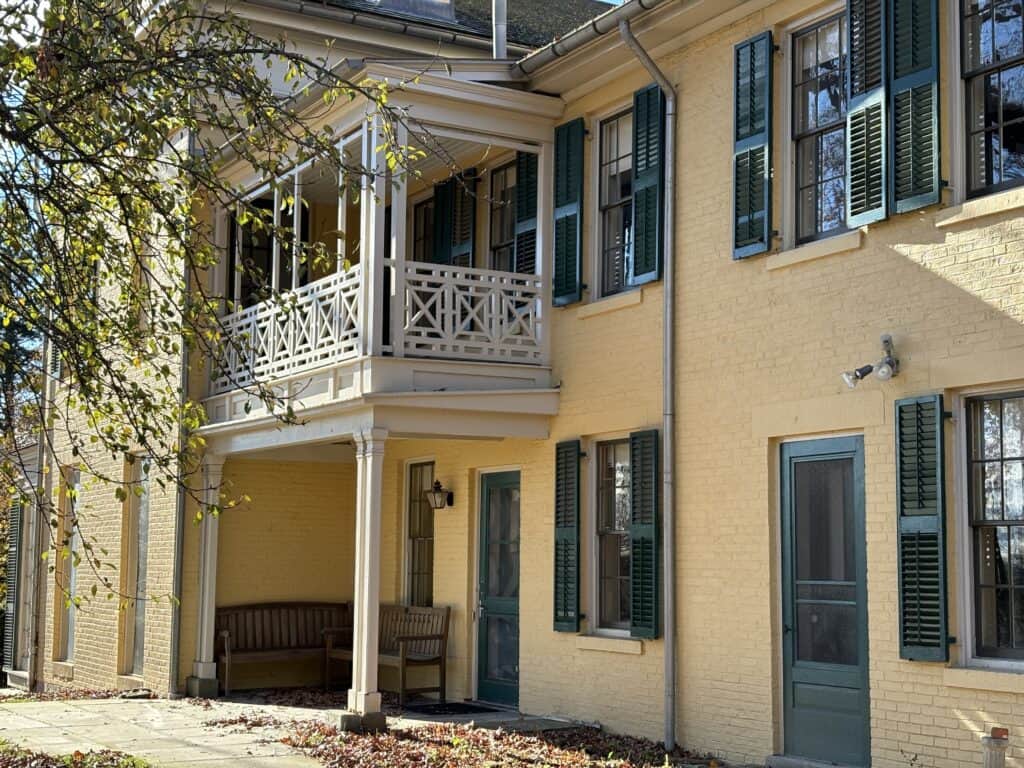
786 629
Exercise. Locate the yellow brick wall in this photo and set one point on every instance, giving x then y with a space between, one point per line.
751 338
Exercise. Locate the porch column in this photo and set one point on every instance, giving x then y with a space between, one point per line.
203 681
397 247
545 242
372 249
363 696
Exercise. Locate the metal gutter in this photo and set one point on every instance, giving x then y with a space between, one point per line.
593 29
668 364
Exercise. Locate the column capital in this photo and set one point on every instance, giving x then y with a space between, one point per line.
370 440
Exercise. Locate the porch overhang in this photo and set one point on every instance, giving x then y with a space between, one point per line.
473 415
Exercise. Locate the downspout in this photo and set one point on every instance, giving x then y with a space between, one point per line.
179 520
668 364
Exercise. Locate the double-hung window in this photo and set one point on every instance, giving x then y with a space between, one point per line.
503 218
616 201
67 569
819 128
993 68
420 557
423 230
614 551
995 482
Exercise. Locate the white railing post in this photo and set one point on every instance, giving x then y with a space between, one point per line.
371 212
545 245
399 211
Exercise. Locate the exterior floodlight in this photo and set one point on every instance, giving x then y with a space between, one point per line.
884 369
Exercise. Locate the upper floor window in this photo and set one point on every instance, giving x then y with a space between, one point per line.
616 200
503 218
993 67
819 128
423 230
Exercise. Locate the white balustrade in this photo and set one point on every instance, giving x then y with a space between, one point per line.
465 313
313 326
456 313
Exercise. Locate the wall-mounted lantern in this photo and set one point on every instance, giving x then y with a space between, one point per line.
439 497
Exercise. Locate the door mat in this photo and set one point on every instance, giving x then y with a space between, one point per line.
449 708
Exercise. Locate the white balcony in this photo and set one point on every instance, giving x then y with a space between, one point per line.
409 329
443 312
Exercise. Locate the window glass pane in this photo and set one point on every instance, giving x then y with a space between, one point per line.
829 98
833 205
806 57
823 520
829 47
1013 427
141 567
1017 554
805 102
1013 152
807 161
1007 18
806 213
978 28
502 634
991 413
613 538
833 154
1013 490
420 544
1011 88
988 490
994 617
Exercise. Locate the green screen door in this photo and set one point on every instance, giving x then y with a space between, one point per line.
498 611
824 595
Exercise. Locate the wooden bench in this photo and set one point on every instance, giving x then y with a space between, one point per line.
264 632
408 637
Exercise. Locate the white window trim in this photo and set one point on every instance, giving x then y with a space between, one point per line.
963 553
593 280
957 107
788 145
406 497
588 528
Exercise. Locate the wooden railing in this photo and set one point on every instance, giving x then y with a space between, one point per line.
465 313
456 313
313 326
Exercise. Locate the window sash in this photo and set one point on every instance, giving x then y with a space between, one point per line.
615 253
423 230
612 534
1002 596
503 217
817 133
420 538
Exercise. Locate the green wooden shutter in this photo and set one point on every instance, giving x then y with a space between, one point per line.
866 151
444 202
645 534
752 147
567 536
10 623
464 218
921 509
526 213
568 287
648 184
914 68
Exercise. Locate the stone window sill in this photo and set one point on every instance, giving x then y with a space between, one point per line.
1008 679
819 249
129 682
629 298
989 205
609 644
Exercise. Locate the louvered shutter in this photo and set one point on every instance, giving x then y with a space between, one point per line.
444 202
464 218
914 70
10 623
567 536
526 213
648 183
866 150
752 147
645 535
568 212
921 510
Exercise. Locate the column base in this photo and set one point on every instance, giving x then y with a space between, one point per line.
202 687
363 703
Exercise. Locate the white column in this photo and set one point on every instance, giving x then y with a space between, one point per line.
399 212
364 697
545 241
371 253
204 669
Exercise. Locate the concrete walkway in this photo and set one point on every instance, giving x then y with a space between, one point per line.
169 734
175 734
